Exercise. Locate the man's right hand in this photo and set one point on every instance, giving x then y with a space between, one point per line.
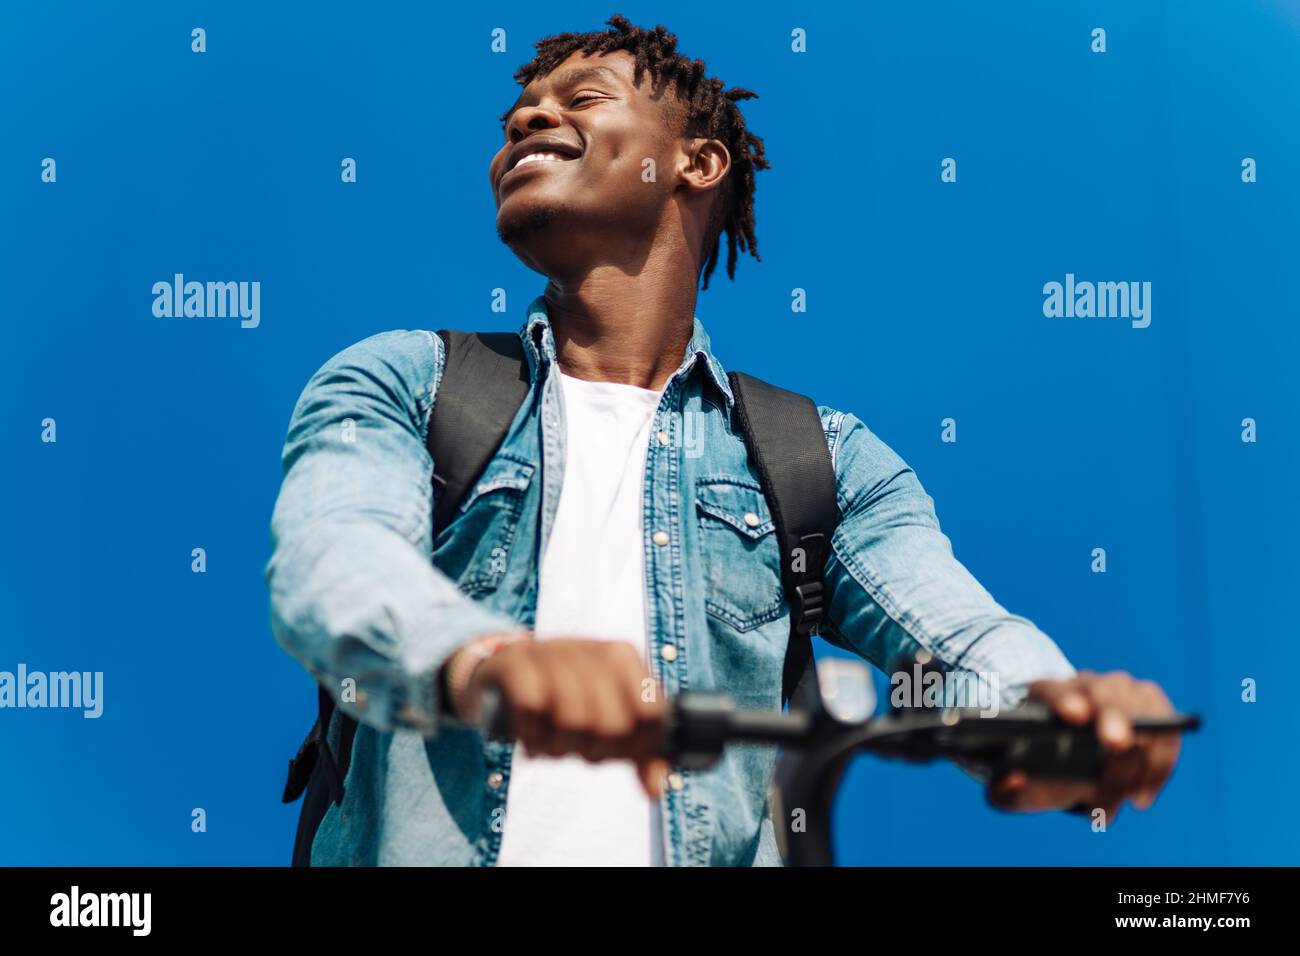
591 698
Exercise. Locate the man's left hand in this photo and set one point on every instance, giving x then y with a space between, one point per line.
1137 764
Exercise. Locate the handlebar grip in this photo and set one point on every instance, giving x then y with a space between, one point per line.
1067 755
697 725
1037 743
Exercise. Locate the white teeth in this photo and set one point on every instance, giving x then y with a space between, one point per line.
540 158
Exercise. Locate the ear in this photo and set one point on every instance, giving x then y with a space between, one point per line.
705 164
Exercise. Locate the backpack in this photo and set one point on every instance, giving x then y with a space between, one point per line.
484 381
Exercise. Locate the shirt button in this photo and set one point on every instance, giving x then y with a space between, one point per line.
362 700
495 779
663 438
675 780
660 538
751 519
668 652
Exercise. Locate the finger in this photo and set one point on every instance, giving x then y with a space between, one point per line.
1120 779
653 773
1004 791
613 723
648 739
523 687
1116 696
1155 771
644 693
1162 757
649 709
1162 749
1069 700
568 714
1114 729
645 699
1016 791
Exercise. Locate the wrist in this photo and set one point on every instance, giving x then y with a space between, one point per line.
459 668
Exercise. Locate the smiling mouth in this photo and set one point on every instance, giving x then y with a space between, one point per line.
538 160
542 158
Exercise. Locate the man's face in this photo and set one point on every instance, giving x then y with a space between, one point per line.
570 182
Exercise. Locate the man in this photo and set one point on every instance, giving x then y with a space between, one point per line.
597 566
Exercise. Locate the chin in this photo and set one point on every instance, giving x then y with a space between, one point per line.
528 232
516 224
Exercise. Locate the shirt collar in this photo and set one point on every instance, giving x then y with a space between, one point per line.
540 342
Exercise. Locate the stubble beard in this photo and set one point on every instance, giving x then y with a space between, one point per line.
517 229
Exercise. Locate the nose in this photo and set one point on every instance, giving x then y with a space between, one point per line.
530 119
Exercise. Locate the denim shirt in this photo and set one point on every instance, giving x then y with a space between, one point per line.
364 591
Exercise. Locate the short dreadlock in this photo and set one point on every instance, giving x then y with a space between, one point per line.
710 112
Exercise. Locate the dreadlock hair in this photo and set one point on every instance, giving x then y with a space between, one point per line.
710 112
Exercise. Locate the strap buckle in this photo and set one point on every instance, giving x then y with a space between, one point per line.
808 606
808 596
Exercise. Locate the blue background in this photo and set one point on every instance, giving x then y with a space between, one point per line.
924 302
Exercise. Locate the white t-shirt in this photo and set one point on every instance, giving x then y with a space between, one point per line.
564 811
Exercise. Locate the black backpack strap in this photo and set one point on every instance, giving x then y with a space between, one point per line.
787 446
484 381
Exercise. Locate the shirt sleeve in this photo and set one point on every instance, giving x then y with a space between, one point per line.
894 586
354 595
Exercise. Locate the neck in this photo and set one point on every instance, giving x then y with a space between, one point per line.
610 326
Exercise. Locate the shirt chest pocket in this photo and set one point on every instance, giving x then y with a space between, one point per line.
739 550
474 549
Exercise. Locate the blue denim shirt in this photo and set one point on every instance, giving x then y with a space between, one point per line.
364 590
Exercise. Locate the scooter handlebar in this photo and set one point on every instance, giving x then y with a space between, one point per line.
700 724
